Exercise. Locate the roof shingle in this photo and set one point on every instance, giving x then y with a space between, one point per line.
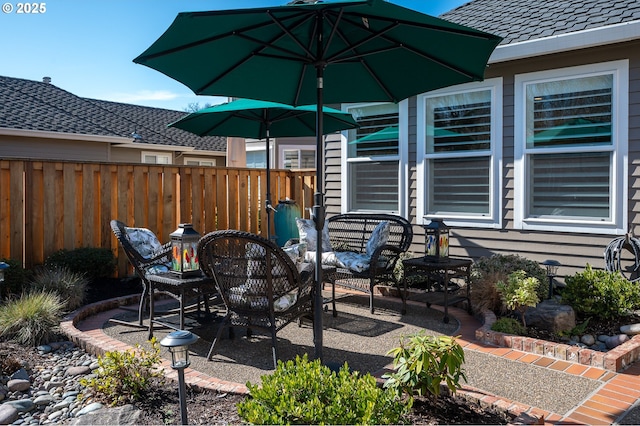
34 105
522 20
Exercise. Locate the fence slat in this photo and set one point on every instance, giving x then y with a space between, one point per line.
46 206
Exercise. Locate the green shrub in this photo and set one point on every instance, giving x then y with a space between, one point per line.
94 262
15 278
304 392
519 292
486 272
124 377
70 286
32 319
425 362
509 326
601 294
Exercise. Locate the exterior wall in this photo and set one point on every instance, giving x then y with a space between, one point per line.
574 251
52 149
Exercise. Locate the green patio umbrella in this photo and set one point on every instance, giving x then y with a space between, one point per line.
312 52
248 118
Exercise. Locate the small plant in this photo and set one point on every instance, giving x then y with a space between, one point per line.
31 319
124 377
423 363
94 262
578 330
509 326
519 292
70 286
487 271
304 392
601 294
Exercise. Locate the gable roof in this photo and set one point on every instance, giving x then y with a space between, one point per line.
524 20
34 105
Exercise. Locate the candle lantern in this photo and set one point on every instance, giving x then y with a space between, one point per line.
184 256
436 240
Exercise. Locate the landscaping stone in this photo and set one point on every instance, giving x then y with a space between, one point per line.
630 329
18 385
8 414
552 316
588 339
617 340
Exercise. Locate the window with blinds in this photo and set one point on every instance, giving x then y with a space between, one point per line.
373 154
568 148
458 153
299 159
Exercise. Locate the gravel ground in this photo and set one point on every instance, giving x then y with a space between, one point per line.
362 340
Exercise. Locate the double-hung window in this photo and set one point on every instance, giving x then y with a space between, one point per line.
459 154
374 159
571 149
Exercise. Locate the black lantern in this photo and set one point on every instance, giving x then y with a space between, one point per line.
184 256
3 266
552 268
436 245
178 344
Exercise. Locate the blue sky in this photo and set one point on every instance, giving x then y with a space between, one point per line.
87 46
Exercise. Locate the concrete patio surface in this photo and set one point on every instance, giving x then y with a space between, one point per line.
529 385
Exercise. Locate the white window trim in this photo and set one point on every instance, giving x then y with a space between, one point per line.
494 219
200 160
157 154
291 147
403 159
620 148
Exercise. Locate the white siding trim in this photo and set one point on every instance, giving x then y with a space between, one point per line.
610 34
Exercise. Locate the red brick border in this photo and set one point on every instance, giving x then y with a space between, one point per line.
617 359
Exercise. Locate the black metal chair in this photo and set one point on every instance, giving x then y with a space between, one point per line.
258 282
146 254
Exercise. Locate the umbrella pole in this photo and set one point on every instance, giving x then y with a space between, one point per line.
268 205
318 216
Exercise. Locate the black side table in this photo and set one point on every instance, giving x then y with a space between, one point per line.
172 285
441 271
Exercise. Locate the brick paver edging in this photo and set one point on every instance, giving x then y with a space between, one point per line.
617 359
96 342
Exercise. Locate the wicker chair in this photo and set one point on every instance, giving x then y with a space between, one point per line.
145 253
259 283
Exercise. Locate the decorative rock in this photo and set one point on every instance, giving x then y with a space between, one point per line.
44 349
94 406
630 329
22 405
43 399
588 339
617 340
18 385
125 415
8 414
603 337
77 371
20 374
552 316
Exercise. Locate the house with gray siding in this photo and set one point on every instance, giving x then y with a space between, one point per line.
39 120
541 159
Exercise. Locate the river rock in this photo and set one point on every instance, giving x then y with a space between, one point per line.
18 385
588 339
78 370
125 415
630 329
22 405
8 414
616 340
552 316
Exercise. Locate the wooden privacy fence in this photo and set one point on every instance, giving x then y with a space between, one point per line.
46 206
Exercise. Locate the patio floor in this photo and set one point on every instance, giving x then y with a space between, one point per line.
527 384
